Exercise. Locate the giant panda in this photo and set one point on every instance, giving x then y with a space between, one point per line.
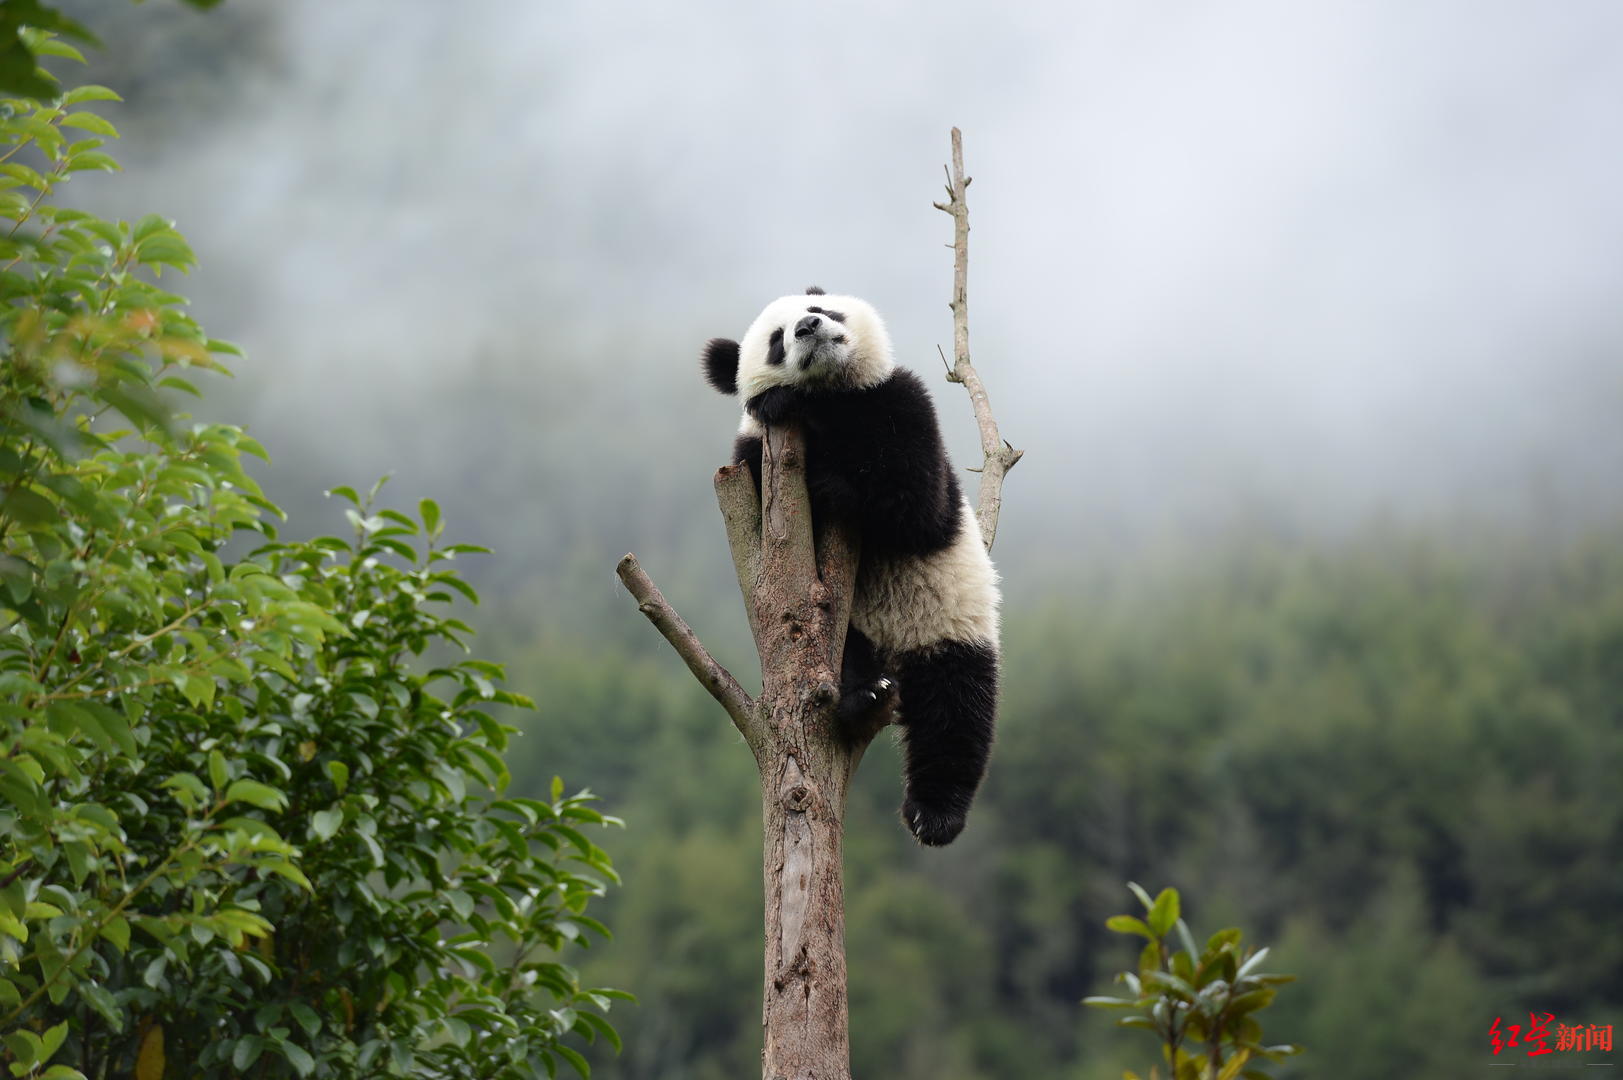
924 616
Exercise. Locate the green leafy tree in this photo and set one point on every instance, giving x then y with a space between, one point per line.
24 25
251 807
1201 1003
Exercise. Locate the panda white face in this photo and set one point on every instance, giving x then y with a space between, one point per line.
814 341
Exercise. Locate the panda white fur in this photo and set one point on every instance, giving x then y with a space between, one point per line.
924 616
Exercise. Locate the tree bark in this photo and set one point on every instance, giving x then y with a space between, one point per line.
796 576
796 581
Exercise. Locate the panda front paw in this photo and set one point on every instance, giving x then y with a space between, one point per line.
774 406
864 702
931 826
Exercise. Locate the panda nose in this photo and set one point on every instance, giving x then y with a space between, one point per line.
806 327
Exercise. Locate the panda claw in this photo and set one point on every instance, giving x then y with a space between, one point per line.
933 828
860 703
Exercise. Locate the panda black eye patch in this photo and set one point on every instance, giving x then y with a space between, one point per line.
835 315
775 353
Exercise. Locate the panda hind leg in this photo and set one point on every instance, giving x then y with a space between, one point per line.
948 711
865 690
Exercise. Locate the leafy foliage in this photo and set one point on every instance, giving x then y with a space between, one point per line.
1200 1003
251 807
24 25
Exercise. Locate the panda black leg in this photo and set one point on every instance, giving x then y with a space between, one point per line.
863 685
948 709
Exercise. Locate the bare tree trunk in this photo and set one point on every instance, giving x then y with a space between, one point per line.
801 600
797 590
797 585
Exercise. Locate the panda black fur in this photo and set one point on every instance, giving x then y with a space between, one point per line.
924 614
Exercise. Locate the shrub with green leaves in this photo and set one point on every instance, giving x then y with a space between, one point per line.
251 806
1200 1003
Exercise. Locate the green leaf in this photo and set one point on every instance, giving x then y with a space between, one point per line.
307 1018
247 1052
1256 999
61 1072
299 1058
255 794
28 507
51 47
1232 1067
460 902
219 774
430 513
1187 940
1126 924
1164 912
1171 982
575 1059
90 122
92 159
81 94
325 823
603 1028
51 1040
117 930
27 1048
139 404
67 716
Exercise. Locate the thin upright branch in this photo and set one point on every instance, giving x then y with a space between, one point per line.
999 455
715 678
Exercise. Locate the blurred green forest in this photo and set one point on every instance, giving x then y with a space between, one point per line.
1393 751
1397 759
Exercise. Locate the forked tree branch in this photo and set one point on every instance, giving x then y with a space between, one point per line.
715 678
999 455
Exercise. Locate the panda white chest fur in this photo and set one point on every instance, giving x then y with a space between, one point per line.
924 614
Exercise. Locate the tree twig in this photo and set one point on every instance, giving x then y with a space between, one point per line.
1000 456
715 678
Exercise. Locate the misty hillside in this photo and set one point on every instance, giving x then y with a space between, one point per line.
1306 316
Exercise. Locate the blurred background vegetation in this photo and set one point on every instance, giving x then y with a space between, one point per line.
1314 568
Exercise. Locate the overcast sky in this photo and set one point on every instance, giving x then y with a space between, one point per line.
1307 261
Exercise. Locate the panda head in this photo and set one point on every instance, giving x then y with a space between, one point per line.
812 341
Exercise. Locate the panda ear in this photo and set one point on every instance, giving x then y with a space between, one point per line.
814 290
721 364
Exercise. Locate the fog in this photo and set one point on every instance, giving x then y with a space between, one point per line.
1303 265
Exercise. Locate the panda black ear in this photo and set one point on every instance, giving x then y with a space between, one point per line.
814 290
721 364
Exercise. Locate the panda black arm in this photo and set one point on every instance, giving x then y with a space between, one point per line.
884 443
776 404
